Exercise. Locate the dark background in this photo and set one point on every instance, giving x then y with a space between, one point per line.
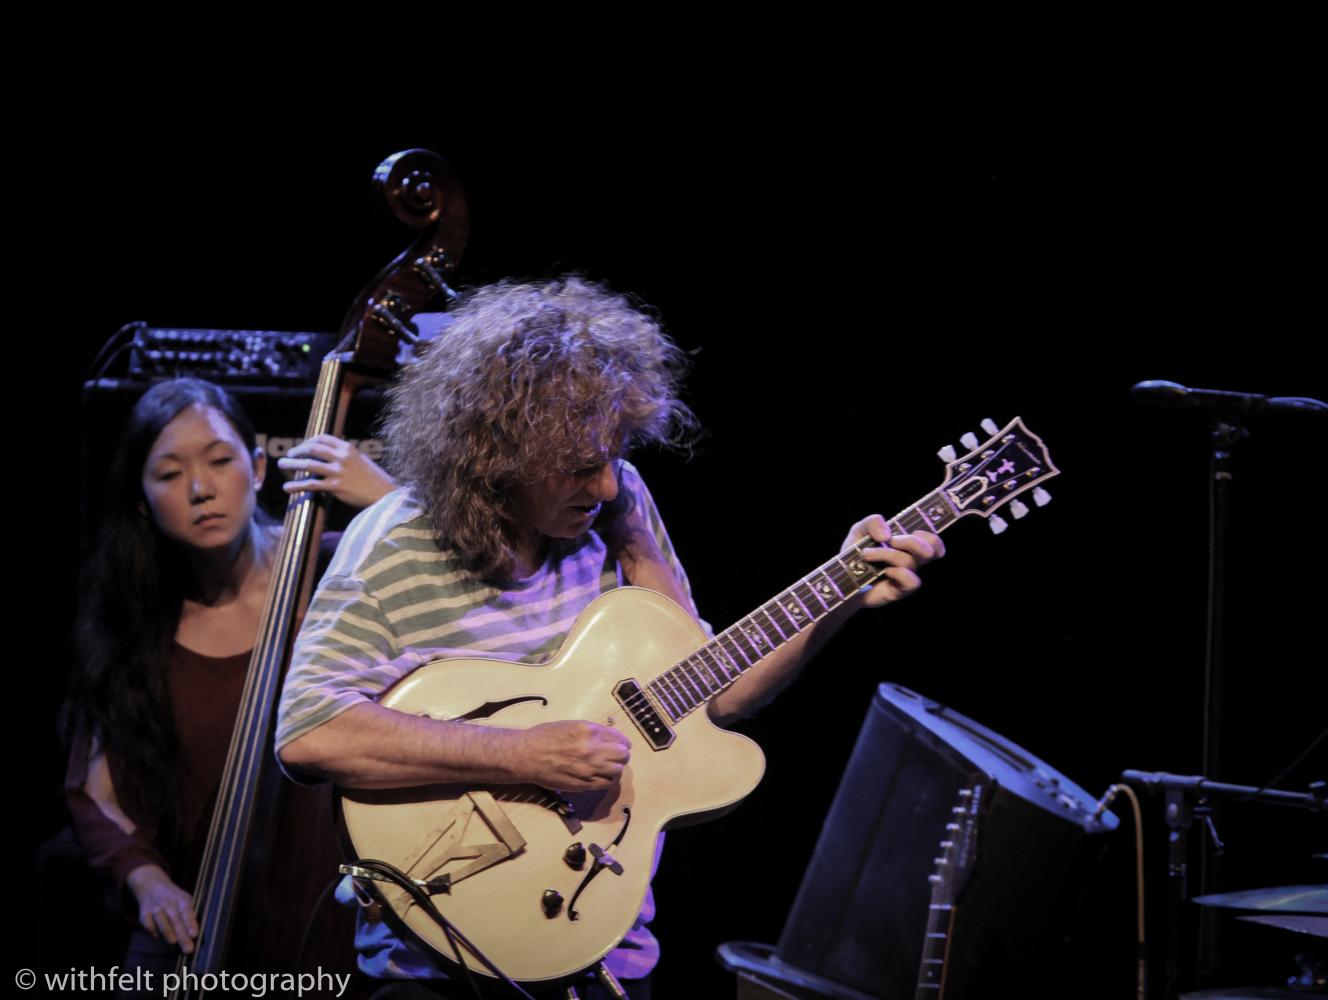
858 291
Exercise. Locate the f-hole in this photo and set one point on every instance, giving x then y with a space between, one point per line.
603 859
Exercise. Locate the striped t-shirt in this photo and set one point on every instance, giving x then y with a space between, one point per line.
392 601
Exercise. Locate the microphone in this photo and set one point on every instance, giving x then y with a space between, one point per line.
1159 392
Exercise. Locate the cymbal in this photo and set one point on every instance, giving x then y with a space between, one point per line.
1318 926
1281 899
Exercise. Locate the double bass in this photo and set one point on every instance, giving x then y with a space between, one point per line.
258 881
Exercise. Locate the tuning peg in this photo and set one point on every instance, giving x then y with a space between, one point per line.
989 427
948 454
997 524
1018 509
969 440
1041 497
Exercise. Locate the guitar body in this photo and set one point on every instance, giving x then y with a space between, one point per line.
442 829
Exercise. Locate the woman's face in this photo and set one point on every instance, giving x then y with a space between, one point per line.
200 482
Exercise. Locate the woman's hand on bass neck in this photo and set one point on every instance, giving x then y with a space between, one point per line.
336 467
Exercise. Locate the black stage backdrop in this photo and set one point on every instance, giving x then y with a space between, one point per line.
855 298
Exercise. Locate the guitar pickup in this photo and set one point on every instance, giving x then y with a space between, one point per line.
643 713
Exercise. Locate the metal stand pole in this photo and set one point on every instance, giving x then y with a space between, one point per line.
1227 433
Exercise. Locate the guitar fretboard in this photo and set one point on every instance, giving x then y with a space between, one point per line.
721 661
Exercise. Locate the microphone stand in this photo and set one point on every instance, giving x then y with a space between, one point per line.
1228 430
1186 799
1228 411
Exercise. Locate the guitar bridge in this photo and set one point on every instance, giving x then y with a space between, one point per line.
444 846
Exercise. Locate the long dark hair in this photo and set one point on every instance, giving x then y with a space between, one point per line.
132 594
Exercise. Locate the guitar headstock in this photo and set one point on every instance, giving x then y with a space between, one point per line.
958 846
992 474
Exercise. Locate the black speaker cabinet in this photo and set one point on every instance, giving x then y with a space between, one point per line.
861 913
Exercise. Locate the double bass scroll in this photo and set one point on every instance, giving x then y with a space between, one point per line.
417 187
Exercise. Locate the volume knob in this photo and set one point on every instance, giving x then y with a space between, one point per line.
552 903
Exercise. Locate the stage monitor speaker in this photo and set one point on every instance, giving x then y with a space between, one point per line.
860 916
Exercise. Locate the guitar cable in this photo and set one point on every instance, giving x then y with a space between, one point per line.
407 884
1141 958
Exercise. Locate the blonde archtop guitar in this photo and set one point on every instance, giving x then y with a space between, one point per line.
544 884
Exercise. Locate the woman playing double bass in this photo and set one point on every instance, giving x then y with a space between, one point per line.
172 598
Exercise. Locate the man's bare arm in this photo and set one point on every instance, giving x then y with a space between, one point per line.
369 746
